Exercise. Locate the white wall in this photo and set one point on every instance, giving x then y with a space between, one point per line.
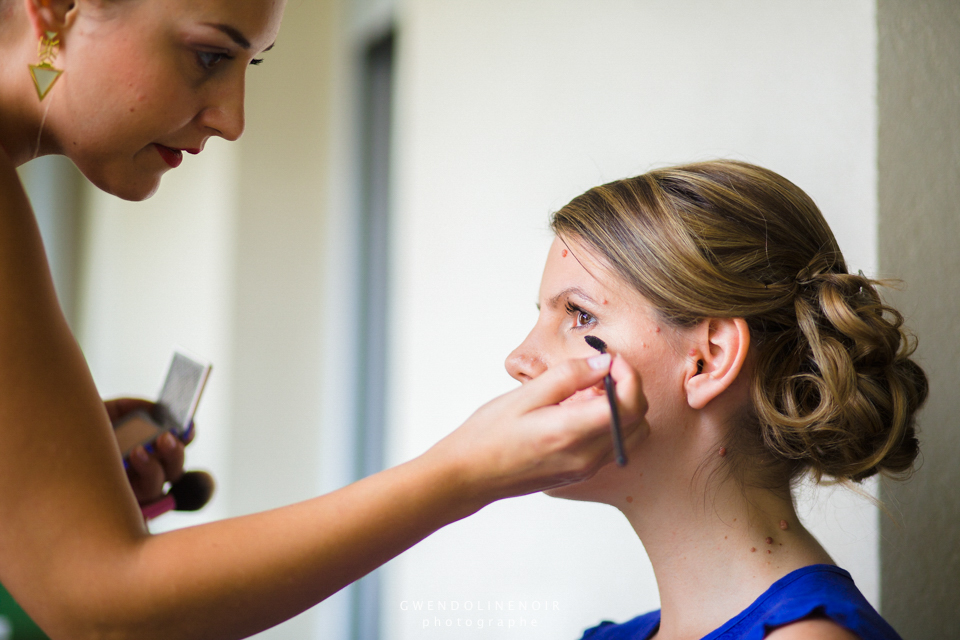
506 110
155 276
54 184
227 260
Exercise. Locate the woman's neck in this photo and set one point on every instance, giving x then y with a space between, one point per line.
715 552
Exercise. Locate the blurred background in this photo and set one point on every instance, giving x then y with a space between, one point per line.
359 265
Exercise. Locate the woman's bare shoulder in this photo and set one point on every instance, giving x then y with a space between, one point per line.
812 629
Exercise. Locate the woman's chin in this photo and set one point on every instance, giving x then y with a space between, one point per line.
126 185
133 190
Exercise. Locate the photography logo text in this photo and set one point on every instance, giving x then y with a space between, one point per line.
480 614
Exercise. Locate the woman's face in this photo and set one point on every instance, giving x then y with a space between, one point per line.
145 80
579 297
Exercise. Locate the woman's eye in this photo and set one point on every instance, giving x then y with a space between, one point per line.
581 317
208 59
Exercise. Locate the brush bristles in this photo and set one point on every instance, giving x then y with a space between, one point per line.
596 343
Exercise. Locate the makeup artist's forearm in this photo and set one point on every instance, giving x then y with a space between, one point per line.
73 548
233 578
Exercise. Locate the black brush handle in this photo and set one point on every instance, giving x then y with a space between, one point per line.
610 386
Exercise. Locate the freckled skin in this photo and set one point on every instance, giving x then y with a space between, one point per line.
564 253
769 540
723 451
753 549
629 498
627 323
783 525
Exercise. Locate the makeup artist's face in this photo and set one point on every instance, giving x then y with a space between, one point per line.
146 80
578 297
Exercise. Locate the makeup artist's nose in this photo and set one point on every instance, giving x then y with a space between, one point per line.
525 362
224 115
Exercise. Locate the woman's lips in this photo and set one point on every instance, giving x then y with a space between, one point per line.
172 157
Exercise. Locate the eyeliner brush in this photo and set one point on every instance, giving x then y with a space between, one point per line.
608 384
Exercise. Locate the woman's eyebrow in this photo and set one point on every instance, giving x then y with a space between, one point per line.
233 32
566 293
235 35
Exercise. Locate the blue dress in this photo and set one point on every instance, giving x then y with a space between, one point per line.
820 589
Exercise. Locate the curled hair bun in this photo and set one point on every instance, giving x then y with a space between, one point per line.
834 389
838 393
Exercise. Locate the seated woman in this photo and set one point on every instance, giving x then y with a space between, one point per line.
761 358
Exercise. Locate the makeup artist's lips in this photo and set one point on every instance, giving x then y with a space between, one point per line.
172 157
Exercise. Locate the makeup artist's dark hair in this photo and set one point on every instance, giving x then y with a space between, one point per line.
834 389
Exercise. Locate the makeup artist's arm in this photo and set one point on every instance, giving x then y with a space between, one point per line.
234 578
73 547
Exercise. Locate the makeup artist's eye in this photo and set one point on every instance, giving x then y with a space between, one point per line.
581 317
209 59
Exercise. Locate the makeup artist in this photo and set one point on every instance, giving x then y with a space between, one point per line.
122 88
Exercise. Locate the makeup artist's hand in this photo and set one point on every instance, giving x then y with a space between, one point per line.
526 441
149 471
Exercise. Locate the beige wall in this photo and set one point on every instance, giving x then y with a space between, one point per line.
919 197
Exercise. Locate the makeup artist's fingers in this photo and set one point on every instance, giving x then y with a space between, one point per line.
120 407
579 433
169 452
191 433
148 471
561 381
631 402
146 475
529 440
569 442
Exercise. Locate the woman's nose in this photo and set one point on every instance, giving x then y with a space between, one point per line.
525 362
224 116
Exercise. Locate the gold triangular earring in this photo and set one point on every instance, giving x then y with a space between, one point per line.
45 75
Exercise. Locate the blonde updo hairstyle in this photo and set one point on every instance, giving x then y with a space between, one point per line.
834 390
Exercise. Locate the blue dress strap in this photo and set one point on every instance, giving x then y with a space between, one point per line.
818 590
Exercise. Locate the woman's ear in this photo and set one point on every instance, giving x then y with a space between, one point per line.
719 350
49 15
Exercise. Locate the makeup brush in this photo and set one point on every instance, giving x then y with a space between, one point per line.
608 384
189 493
